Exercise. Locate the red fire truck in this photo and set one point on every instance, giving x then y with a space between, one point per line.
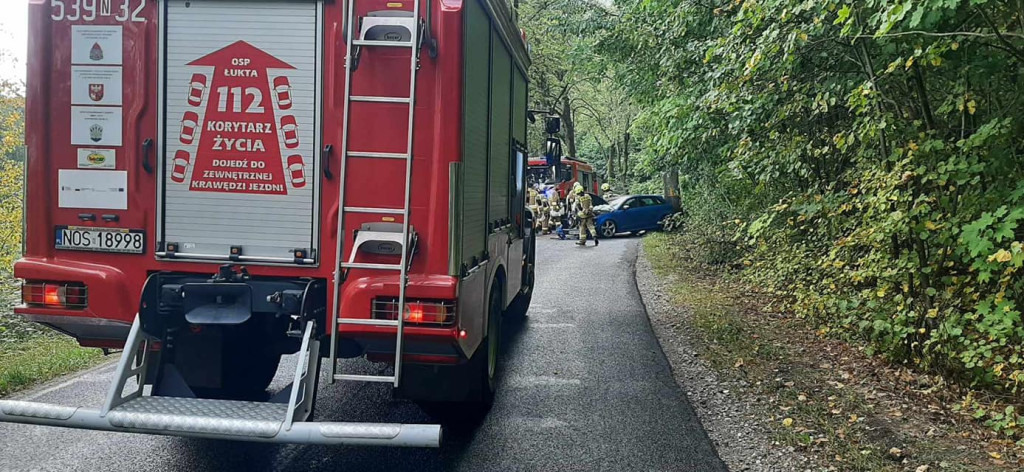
569 172
214 184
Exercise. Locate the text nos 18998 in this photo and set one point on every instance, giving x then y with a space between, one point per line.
80 238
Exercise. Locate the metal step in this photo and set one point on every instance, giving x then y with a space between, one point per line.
369 98
200 415
361 265
365 378
381 211
379 155
388 44
368 322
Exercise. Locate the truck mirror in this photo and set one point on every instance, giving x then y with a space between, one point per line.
553 151
552 125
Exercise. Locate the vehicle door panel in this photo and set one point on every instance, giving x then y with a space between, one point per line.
628 218
651 213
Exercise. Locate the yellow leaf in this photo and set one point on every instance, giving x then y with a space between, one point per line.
853 418
955 46
972 107
880 292
788 422
931 226
995 455
1001 255
936 61
803 36
910 62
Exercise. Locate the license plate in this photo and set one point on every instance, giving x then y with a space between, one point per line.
82 238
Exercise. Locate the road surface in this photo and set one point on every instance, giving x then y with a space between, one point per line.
585 386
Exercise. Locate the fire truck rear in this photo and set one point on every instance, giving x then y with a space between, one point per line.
215 184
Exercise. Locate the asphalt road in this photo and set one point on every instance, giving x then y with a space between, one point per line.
585 386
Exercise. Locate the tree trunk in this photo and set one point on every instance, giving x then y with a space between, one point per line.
568 127
625 144
611 163
671 184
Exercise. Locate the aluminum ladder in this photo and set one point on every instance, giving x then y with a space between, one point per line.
392 25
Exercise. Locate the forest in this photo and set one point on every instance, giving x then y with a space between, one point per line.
858 160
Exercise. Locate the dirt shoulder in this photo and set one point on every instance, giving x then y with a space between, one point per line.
776 395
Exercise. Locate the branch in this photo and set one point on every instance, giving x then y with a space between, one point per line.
1013 50
929 33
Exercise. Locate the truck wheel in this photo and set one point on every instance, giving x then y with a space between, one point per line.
486 365
521 303
474 382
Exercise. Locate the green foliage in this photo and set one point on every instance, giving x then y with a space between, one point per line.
569 79
862 157
10 214
12 137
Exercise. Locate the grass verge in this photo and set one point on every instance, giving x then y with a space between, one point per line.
824 398
28 362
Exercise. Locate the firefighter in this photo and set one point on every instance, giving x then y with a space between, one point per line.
533 202
607 192
554 206
570 203
585 213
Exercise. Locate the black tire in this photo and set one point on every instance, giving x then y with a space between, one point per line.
521 303
492 348
480 376
608 228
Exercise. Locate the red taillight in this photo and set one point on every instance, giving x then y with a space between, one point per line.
415 313
435 312
50 295
55 294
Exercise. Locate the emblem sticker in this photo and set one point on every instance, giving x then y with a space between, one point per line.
96 53
96 92
97 158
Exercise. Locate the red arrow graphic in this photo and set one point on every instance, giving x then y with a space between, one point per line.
239 151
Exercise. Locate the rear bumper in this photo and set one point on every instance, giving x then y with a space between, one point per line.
325 433
86 329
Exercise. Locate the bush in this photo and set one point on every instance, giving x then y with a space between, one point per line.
862 158
10 215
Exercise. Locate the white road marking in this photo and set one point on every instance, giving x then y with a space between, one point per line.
552 325
539 423
543 381
535 310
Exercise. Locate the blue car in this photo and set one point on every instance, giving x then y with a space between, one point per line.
631 214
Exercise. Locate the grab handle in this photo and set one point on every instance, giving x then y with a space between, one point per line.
147 147
325 161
